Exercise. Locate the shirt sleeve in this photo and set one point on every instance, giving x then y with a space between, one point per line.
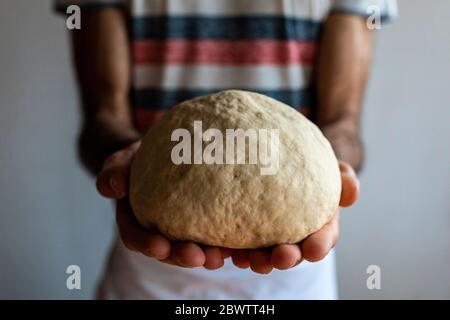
61 5
388 8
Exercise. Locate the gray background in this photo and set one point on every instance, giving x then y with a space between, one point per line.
51 216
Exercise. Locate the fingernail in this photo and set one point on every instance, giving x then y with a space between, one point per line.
297 263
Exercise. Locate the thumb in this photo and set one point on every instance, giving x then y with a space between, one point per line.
113 179
350 185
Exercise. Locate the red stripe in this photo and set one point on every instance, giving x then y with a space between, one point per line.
146 118
223 52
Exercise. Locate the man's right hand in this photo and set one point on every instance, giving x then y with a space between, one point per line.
113 182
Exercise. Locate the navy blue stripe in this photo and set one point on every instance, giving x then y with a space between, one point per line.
160 100
226 28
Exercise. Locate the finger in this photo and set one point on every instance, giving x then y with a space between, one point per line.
188 254
112 181
317 245
350 185
137 238
214 259
285 256
260 261
240 258
226 252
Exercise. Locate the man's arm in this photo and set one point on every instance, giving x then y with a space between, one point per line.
102 61
342 70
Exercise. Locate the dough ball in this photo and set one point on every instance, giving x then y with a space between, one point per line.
235 205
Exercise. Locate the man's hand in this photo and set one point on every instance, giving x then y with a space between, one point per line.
314 248
112 182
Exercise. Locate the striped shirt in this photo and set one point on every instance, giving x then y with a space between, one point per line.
182 49
186 48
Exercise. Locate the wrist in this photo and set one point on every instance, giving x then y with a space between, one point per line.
346 142
103 134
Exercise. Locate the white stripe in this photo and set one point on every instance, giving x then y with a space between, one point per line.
306 9
387 8
210 77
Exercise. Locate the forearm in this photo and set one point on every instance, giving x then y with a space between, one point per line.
343 68
102 62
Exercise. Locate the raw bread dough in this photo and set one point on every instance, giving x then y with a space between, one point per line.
233 205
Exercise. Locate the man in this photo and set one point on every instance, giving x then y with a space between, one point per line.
136 59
